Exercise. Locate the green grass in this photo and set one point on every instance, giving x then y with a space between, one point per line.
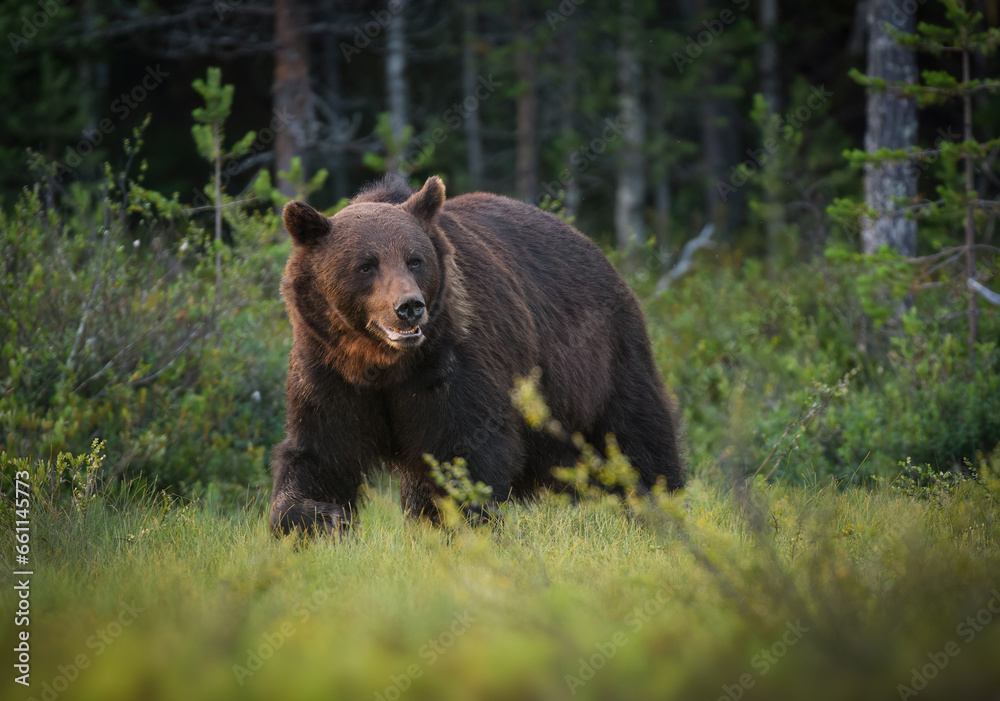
807 592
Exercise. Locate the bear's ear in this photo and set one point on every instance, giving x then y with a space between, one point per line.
425 205
304 223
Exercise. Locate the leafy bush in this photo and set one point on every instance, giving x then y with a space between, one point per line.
748 356
111 329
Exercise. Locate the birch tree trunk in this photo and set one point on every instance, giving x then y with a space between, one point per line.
891 123
770 86
292 96
630 193
395 82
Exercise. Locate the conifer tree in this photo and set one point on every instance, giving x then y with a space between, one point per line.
209 136
957 199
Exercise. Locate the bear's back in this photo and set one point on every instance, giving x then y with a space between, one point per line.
539 246
583 314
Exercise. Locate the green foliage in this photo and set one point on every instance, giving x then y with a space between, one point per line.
109 330
787 183
925 482
303 187
210 136
393 148
528 400
593 474
60 490
462 494
961 32
44 101
209 132
883 280
264 192
557 206
743 379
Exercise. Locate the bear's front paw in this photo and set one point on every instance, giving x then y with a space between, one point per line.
309 518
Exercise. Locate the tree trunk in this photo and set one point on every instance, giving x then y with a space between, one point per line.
970 220
714 163
770 87
767 62
567 120
630 194
217 186
720 145
891 123
92 80
473 133
526 166
331 57
856 41
659 168
292 96
395 83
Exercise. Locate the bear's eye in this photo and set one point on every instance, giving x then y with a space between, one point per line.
366 268
414 262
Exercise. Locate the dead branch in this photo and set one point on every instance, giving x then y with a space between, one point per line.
985 292
700 241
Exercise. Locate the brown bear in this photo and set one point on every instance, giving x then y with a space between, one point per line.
412 316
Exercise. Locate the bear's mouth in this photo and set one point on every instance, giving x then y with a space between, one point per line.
403 338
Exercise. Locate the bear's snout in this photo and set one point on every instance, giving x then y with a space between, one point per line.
410 310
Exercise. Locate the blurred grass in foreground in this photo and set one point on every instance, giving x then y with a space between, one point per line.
772 592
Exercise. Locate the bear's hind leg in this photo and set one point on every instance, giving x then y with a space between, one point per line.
643 424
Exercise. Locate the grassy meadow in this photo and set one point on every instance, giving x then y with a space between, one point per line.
769 592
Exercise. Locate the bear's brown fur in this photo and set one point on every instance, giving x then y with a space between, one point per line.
412 316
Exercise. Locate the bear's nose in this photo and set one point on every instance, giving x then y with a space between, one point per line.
410 310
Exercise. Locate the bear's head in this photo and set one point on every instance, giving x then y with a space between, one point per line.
368 284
